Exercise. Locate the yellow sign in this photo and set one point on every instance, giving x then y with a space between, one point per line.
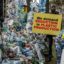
47 23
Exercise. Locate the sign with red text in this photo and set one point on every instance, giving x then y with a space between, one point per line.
47 23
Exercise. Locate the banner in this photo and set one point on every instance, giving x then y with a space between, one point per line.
47 23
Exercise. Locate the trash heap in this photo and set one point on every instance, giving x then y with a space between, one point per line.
59 43
19 43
